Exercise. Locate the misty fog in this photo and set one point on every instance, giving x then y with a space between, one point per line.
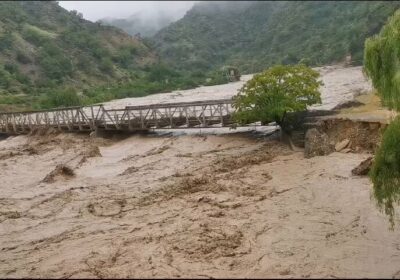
145 17
95 10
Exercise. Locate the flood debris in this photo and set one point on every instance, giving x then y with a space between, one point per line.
364 167
60 171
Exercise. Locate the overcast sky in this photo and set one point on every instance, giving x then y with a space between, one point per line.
94 10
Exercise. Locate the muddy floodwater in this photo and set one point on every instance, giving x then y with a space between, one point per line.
340 84
194 205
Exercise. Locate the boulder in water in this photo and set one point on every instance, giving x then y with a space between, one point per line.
363 168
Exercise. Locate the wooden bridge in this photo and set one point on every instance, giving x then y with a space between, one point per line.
199 114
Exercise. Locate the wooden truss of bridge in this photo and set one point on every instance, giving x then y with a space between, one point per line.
198 114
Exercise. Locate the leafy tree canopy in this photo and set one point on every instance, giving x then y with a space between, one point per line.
268 96
385 172
382 65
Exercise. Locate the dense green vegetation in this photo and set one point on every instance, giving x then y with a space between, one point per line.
385 172
157 79
382 62
43 47
52 57
270 95
255 35
381 59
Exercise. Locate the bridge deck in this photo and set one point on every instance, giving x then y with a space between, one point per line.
131 118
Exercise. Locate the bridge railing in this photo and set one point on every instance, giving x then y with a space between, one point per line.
70 118
172 115
167 115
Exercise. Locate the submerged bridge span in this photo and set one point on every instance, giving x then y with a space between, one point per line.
197 114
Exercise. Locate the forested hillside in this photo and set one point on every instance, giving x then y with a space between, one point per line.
255 35
50 57
43 46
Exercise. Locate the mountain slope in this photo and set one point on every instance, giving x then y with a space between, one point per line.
138 24
43 46
255 35
50 57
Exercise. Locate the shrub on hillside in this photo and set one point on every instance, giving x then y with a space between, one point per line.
33 36
6 41
106 65
55 64
62 98
23 58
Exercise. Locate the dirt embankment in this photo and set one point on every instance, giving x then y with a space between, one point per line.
343 135
188 206
362 135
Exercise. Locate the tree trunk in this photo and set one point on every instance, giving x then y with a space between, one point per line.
286 138
285 132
